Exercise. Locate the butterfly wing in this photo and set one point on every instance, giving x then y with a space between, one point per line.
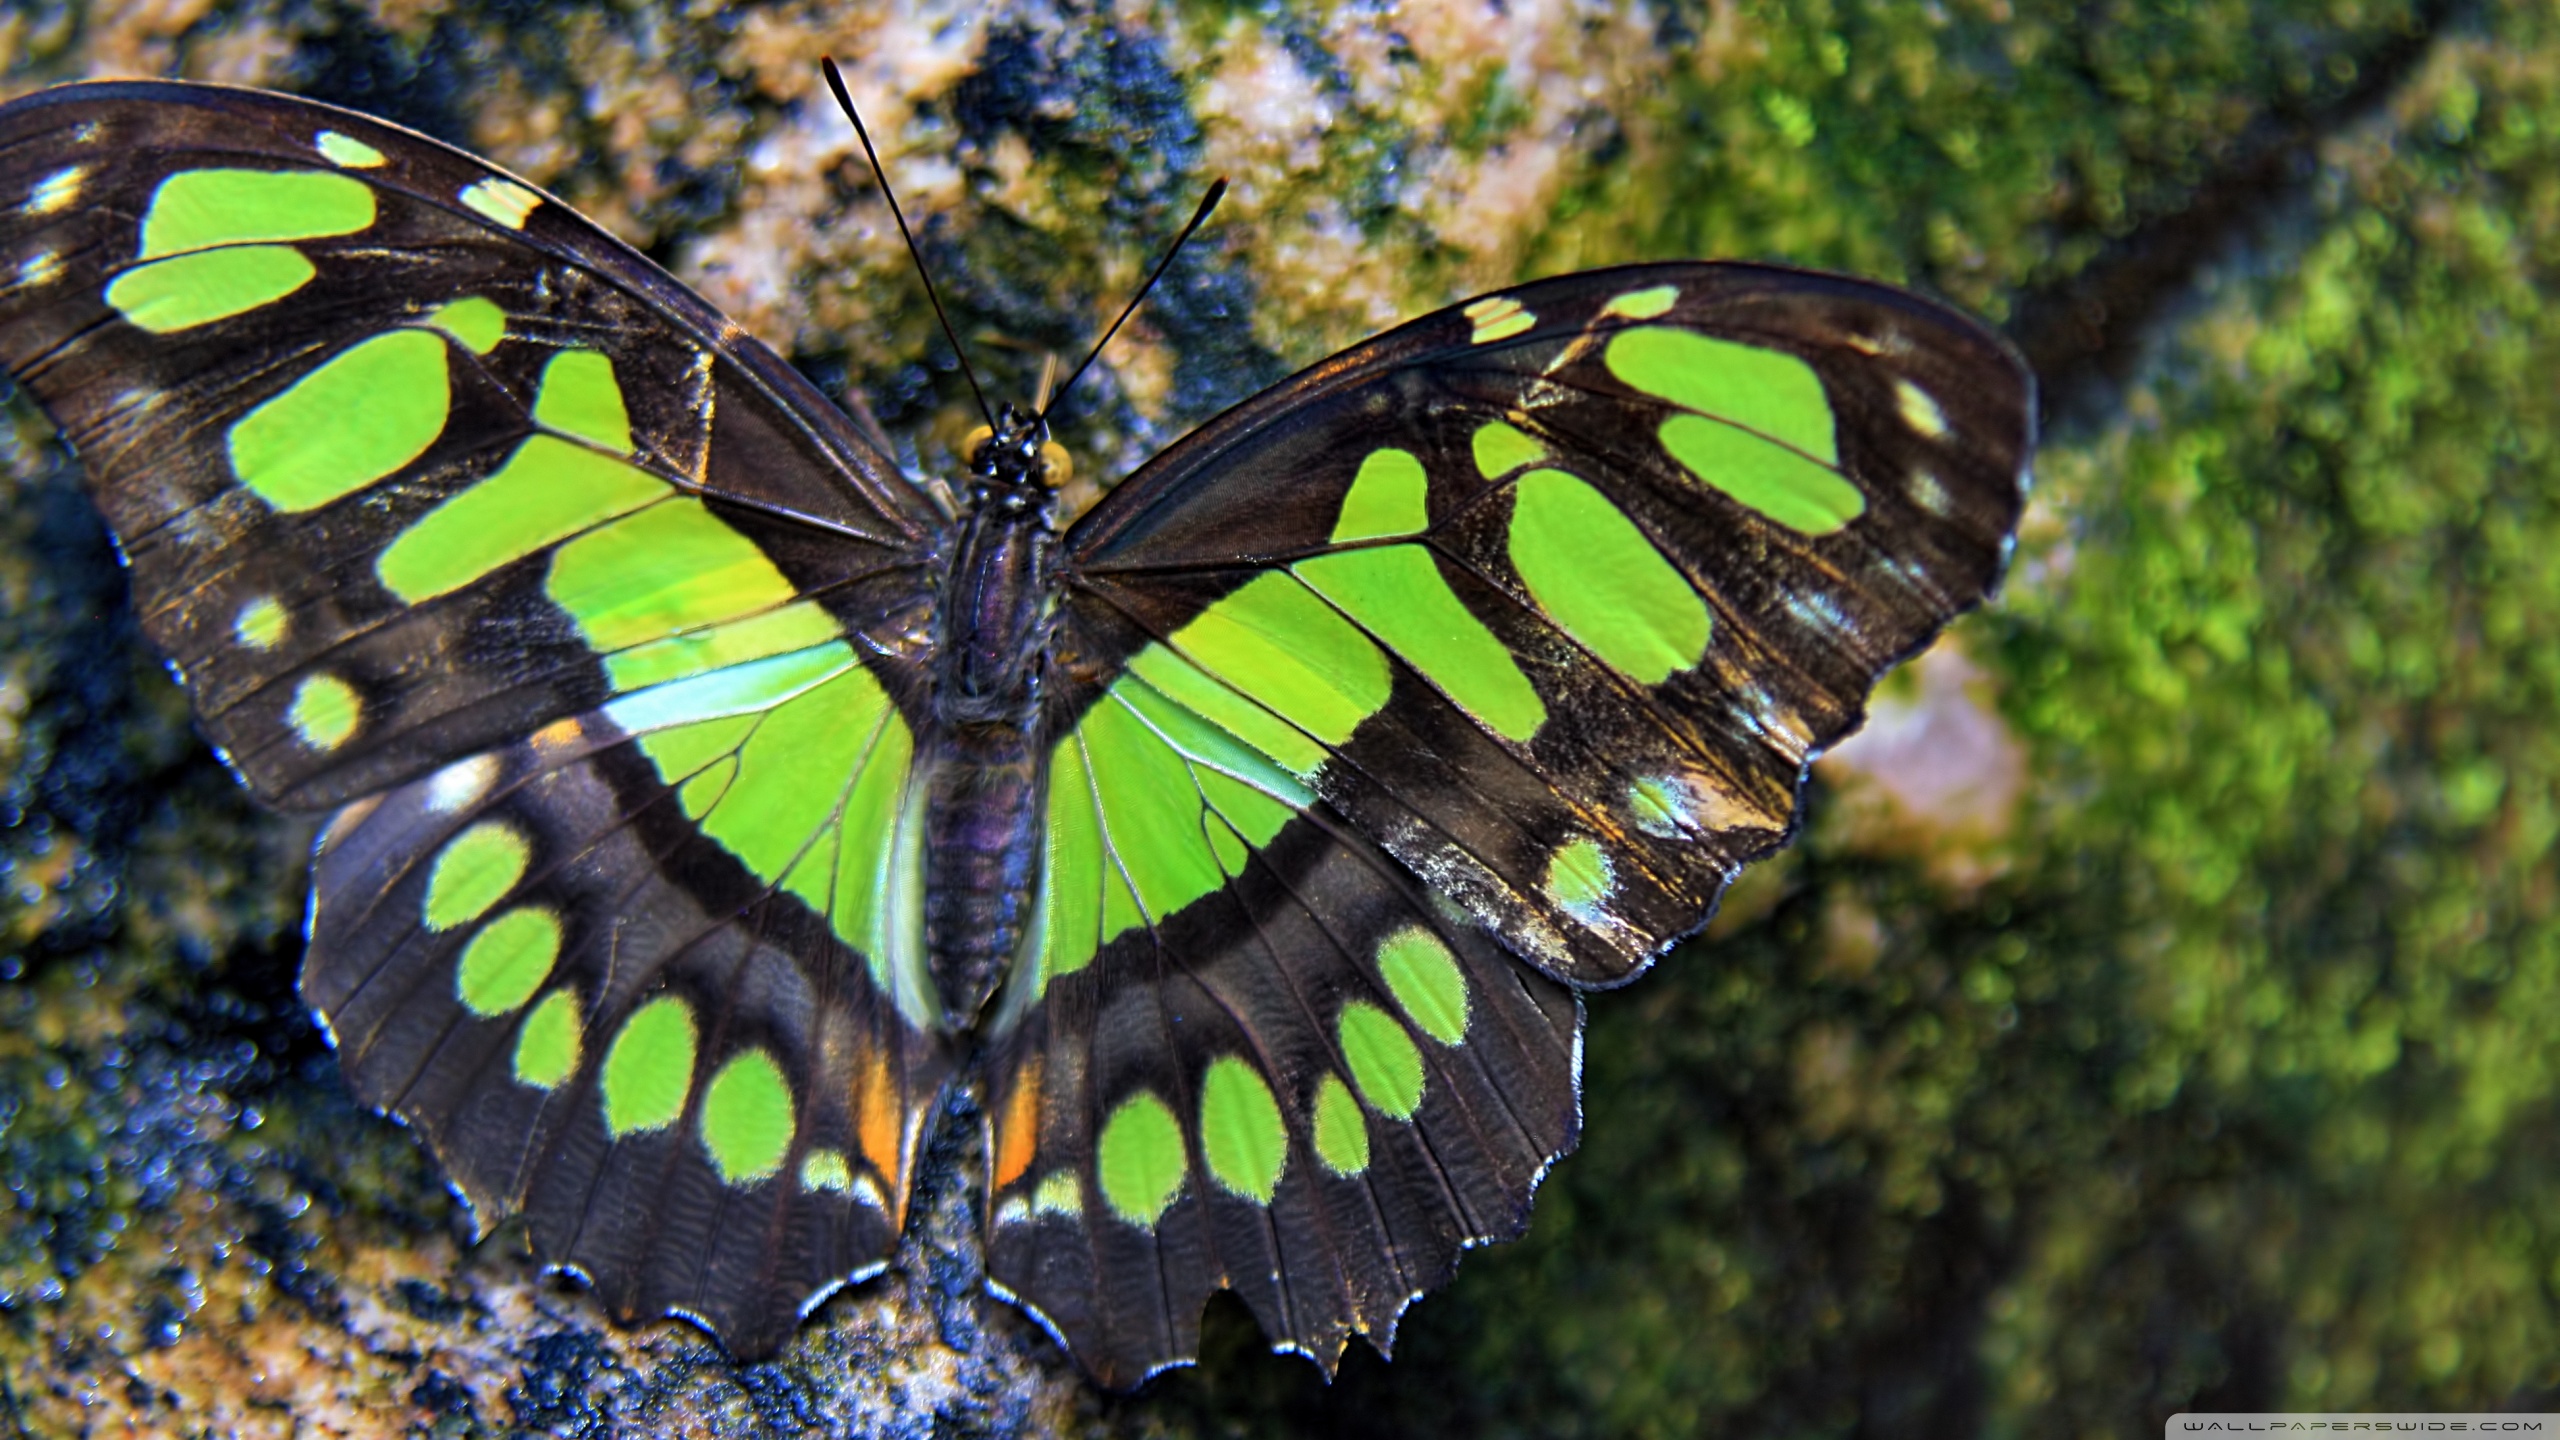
1511 633
428 486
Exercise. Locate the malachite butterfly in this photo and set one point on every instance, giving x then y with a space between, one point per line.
708 797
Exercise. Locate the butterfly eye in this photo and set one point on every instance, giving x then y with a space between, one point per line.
977 438
1056 467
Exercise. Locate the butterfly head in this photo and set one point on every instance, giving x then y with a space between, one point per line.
1014 463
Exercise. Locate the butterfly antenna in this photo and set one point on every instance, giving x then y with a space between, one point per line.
835 82
1208 202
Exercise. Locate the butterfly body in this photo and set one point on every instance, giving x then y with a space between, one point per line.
705 799
983 806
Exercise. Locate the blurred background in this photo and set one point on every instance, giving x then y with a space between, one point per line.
2161 1011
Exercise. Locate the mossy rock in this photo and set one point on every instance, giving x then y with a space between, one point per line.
2162 1011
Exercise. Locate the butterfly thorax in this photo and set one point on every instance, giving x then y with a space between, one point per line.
983 787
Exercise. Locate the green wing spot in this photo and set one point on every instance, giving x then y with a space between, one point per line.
347 150
1664 806
475 320
649 1070
260 625
1596 575
474 871
1768 391
502 202
1140 1160
1579 878
547 1047
785 631
1291 654
793 773
196 209
1341 1131
1240 1130
1398 594
368 411
826 1170
508 960
324 712
1779 483
1384 1063
667 569
1069 919
579 396
1650 303
185 291
746 1118
1387 498
868 888
1501 449
546 492
1151 812
1196 690
1425 980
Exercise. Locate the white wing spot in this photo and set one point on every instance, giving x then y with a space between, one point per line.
42 268
1920 409
460 785
1497 317
346 150
503 201
1929 494
57 190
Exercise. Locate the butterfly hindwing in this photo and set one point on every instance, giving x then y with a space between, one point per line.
603 1020
1313 1087
1556 595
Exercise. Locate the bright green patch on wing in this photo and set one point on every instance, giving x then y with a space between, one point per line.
739 691
1140 1160
1383 1060
1425 979
1579 878
1646 304
662 571
1500 449
1240 1130
649 1069
347 150
1768 391
508 961
1779 483
1387 498
1398 594
1201 693
195 209
546 492
579 396
369 410
1066 925
747 1118
1665 806
548 1046
260 625
792 628
198 288
1341 1130
324 712
1291 654
1597 576
1058 1194
473 872
1150 817
475 320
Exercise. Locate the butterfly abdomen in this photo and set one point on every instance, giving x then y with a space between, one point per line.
982 807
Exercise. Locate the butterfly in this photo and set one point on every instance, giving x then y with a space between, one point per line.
706 798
